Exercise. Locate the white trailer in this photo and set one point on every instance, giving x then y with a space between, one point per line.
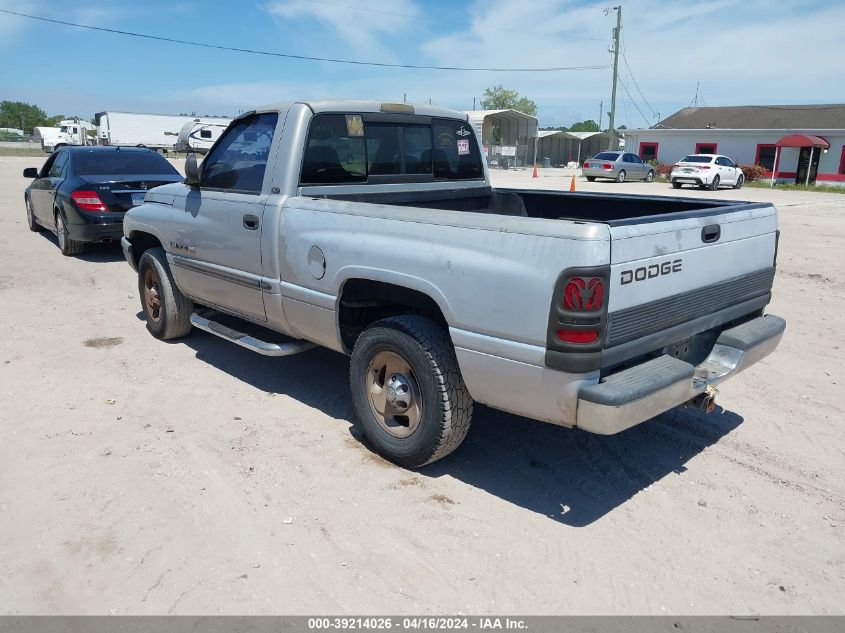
198 135
155 131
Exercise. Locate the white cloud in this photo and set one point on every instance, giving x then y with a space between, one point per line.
359 26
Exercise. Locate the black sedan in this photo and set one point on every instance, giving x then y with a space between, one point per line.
81 193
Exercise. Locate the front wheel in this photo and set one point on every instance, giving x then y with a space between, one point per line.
714 184
739 182
31 222
676 185
591 178
167 310
407 390
649 176
620 177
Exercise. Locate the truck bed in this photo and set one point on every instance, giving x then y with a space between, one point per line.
611 209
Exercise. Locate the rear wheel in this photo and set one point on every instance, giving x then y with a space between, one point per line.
407 390
167 310
714 184
739 182
31 222
67 246
620 177
591 178
649 176
676 185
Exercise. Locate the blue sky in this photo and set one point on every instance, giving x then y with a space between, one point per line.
741 52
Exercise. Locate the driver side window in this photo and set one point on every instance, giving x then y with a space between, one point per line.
238 161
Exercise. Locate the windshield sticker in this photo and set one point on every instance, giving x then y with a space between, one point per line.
463 147
444 141
354 125
463 131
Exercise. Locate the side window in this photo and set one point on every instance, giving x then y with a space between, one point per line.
45 169
238 162
58 165
205 133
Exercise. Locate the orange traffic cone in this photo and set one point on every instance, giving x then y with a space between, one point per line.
535 174
572 184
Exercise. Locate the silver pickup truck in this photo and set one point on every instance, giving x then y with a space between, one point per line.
372 229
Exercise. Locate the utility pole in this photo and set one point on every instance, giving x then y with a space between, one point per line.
616 34
601 113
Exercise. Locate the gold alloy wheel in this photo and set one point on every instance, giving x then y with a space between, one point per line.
394 394
152 295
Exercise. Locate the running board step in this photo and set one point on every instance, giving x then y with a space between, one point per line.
294 346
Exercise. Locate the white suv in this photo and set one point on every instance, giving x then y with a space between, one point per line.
707 171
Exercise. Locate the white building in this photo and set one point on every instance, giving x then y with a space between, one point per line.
786 139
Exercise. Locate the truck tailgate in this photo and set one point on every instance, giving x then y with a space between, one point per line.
674 277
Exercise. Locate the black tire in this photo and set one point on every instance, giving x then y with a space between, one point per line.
170 316
67 246
591 178
620 177
649 176
714 184
740 181
676 185
445 404
31 222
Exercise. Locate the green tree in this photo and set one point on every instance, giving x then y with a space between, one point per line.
16 113
501 98
584 126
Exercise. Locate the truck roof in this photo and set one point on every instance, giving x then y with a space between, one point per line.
354 105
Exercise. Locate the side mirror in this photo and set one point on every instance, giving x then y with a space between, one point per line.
192 172
30 172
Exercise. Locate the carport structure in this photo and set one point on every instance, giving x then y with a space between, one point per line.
516 129
561 147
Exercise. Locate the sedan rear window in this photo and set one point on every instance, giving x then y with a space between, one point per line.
697 159
607 156
118 163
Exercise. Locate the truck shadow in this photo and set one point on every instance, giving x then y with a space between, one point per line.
570 476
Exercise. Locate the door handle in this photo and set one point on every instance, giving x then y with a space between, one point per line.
251 222
711 233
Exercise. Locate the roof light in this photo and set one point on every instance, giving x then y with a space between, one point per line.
401 108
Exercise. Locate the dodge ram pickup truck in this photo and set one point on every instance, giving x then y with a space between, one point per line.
372 229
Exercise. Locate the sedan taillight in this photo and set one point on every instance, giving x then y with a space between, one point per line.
88 201
607 166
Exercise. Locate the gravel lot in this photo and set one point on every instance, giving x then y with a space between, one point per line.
140 477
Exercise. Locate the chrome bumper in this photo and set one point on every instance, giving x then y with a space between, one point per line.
126 245
637 394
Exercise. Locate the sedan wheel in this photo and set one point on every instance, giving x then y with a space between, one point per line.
620 177
31 222
67 246
715 183
649 176
739 182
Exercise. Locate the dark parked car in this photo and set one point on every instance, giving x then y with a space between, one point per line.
81 193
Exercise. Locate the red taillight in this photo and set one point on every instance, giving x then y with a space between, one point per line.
586 165
88 201
704 166
583 294
675 166
566 335
607 166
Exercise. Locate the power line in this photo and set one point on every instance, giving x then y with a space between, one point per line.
634 103
634 79
300 57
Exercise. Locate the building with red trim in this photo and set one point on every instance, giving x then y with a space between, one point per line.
796 143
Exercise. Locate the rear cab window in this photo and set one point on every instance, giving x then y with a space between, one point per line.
375 148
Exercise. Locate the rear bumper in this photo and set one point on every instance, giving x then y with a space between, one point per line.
599 173
689 179
642 392
105 232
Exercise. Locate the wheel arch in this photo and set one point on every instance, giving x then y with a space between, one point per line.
141 242
363 300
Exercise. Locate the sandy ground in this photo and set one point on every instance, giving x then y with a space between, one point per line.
141 477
